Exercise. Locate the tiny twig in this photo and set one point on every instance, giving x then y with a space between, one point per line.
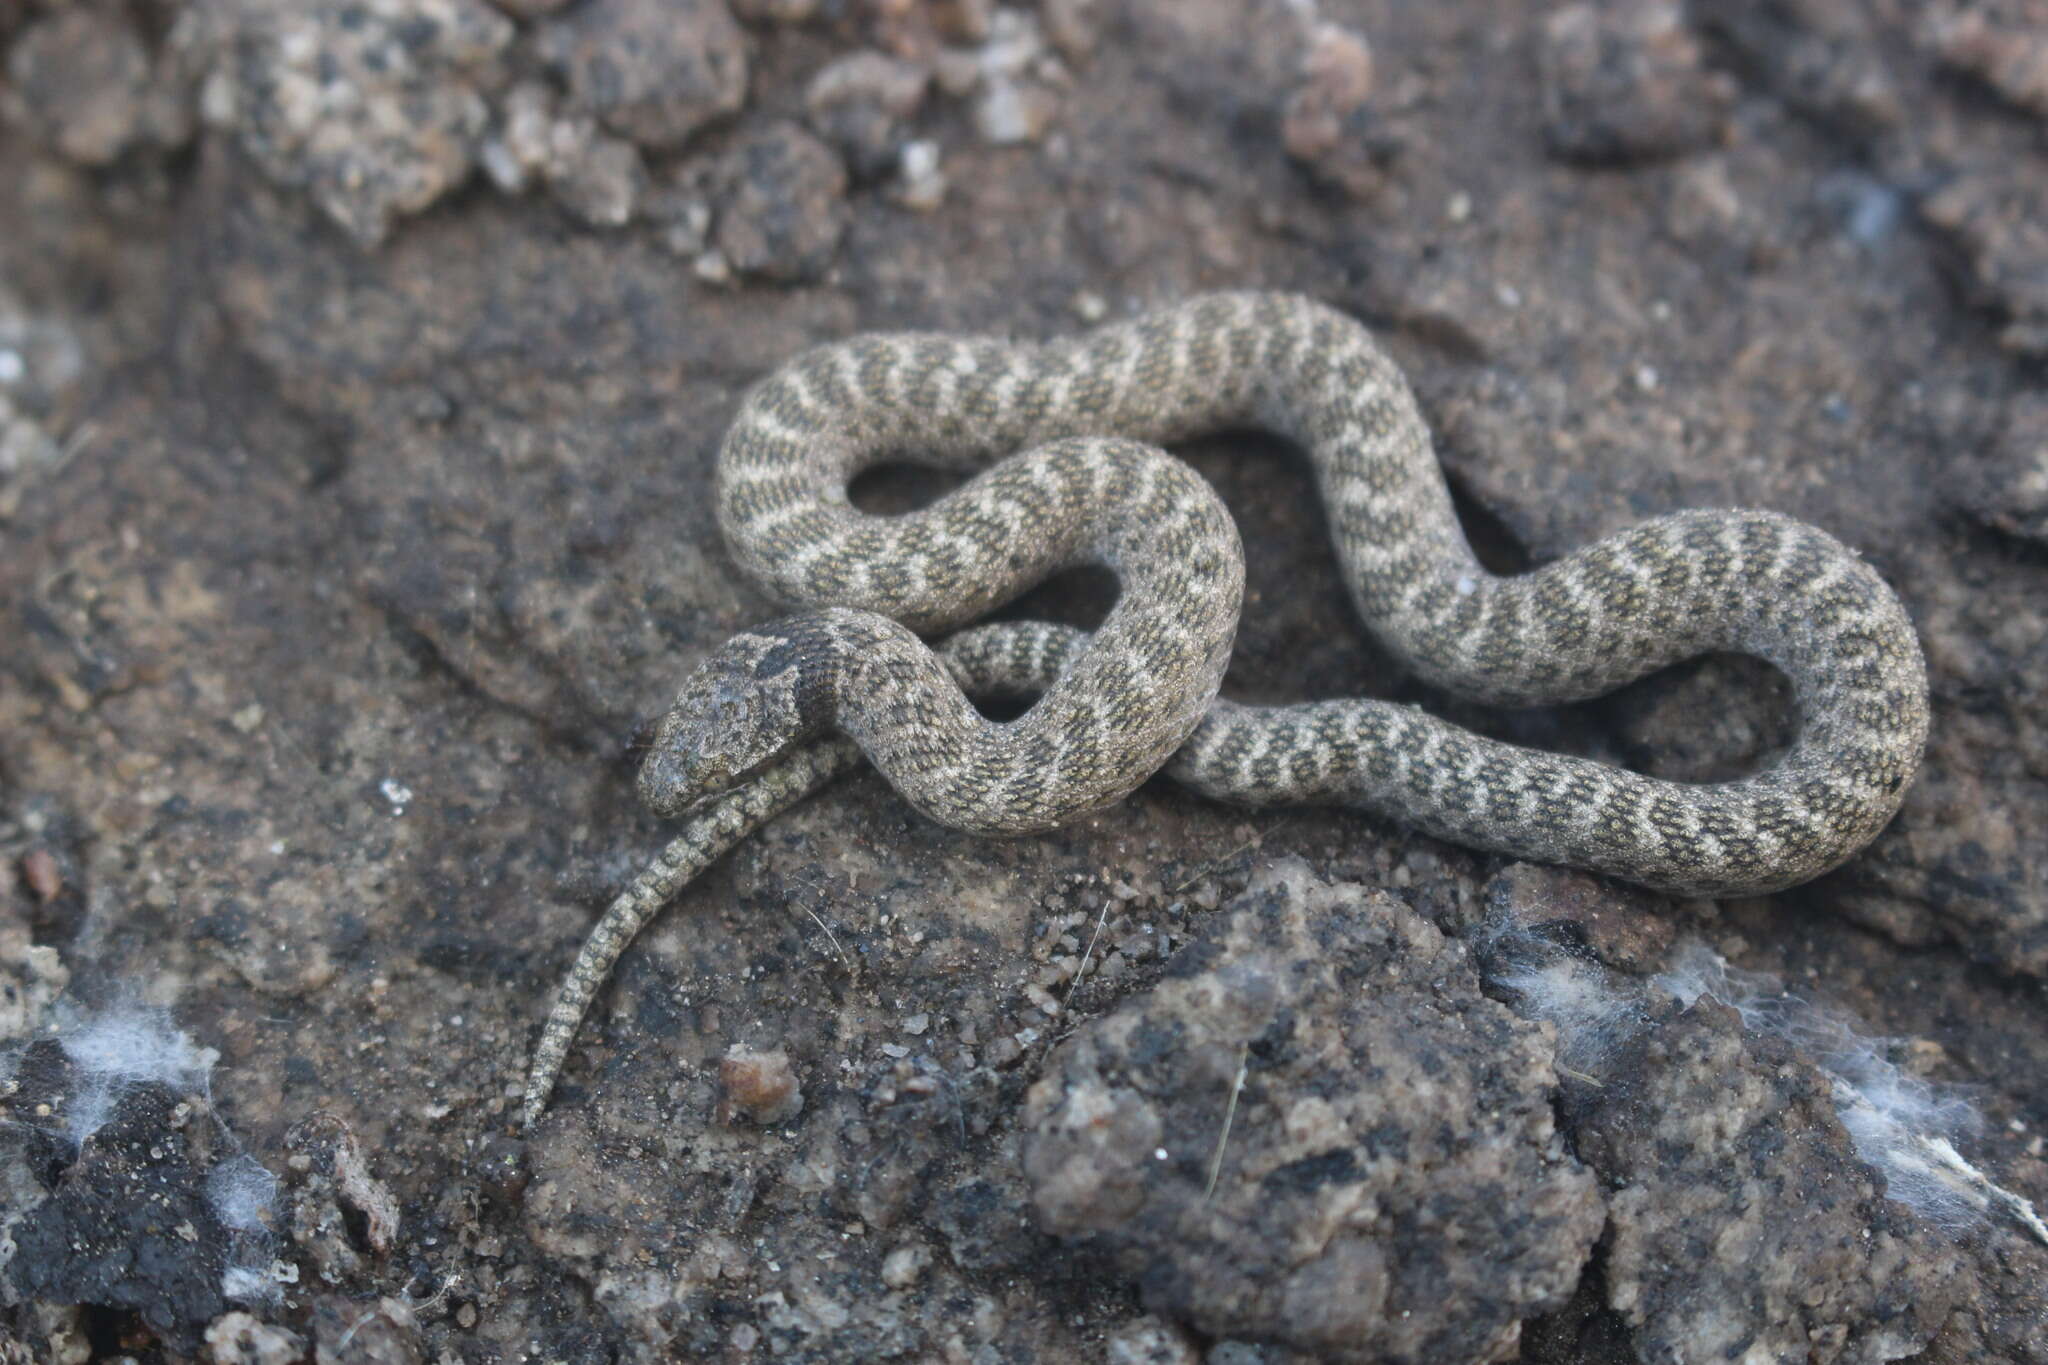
1053 1037
75 444
819 886
1229 1117
830 937
1101 918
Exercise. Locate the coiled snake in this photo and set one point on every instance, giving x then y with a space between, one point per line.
741 741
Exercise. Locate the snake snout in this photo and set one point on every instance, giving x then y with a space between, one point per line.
672 779
686 762
719 732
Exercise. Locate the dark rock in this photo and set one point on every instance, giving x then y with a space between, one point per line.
652 71
2004 45
128 1226
860 104
1317 1132
781 204
1997 221
376 111
2008 491
1625 80
1827 56
1743 1220
987 1222
1784 1180
82 76
910 1124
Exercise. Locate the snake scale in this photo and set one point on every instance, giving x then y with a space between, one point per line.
783 707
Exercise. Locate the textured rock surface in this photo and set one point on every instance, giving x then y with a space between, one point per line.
1627 80
127 1227
1763 1158
123 1191
1744 1222
781 204
81 79
374 109
654 71
1316 1131
2003 45
361 367
1873 79
2008 490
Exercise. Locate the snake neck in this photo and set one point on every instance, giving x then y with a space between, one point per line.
760 695
817 659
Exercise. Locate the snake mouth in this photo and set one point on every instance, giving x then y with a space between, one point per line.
673 782
679 780
735 777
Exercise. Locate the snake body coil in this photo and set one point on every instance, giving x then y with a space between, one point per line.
1143 686
1668 589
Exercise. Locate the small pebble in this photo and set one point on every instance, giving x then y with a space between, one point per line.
920 183
502 1168
902 1267
44 878
760 1085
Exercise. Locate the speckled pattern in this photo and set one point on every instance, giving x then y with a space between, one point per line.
1751 582
1118 710
1665 590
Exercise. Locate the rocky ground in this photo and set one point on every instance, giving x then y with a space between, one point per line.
362 364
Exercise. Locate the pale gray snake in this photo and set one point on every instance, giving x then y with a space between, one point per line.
743 739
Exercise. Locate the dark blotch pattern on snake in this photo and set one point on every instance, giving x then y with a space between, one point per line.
1142 687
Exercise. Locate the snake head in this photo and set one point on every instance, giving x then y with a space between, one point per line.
743 707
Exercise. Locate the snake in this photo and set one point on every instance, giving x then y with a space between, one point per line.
1062 439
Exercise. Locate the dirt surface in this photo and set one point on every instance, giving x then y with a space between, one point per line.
362 365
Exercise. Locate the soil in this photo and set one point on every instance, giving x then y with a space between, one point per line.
362 369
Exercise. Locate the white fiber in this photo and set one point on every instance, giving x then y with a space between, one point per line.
242 1193
251 1284
123 1047
1898 1123
133 1044
1592 1017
